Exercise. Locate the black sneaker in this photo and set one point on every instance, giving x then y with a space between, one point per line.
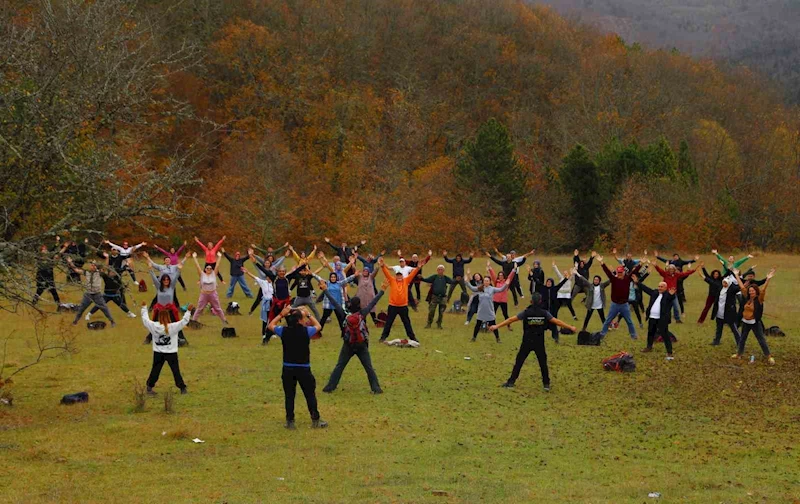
427 326
290 425
328 390
715 343
498 340
184 391
473 340
151 392
378 391
264 339
507 385
318 424
547 388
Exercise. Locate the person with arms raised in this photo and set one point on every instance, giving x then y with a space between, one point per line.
535 320
165 345
399 294
620 291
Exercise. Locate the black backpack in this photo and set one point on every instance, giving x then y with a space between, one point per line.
79 397
228 332
591 339
97 325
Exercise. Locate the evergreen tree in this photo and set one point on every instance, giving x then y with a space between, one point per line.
685 166
580 181
490 171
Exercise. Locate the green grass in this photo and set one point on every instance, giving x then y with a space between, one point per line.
699 429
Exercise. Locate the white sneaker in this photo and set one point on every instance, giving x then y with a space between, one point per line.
131 314
88 317
669 358
466 323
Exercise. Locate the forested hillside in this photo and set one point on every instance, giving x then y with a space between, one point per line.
373 118
762 35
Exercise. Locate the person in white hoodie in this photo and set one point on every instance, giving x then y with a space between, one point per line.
165 345
564 297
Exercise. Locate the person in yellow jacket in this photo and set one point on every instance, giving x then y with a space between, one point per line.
398 297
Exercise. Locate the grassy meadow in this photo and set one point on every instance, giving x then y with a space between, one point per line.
700 429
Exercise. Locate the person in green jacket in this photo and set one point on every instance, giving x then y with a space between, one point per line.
438 294
729 264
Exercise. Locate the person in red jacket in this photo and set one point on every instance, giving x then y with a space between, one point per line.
620 289
211 254
672 276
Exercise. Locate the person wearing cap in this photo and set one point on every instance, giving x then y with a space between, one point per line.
405 269
439 283
620 290
399 297
458 272
93 283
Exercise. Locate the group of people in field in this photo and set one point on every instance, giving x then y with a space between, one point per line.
287 299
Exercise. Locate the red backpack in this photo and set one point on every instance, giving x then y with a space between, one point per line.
142 285
355 329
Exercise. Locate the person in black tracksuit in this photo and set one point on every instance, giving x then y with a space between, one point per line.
458 273
659 315
549 292
535 320
536 277
510 263
45 280
348 351
724 310
296 338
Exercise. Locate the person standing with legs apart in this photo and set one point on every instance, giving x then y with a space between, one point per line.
336 289
302 275
114 291
45 280
565 292
549 292
174 258
458 272
125 253
731 264
208 289
485 294
751 310
724 305
405 269
366 290
237 275
595 297
212 257
296 336
165 346
93 284
679 264
714 282
672 276
399 294
535 276
658 316
620 290
439 283
168 268
535 320
355 336
500 298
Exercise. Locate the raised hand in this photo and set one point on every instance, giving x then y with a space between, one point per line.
472 254
750 256
594 254
696 257
250 251
194 254
222 250
713 251
145 254
219 255
430 253
380 261
600 259
327 240
655 253
614 250
286 244
444 253
384 285
771 273
363 242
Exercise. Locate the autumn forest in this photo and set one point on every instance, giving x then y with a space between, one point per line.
452 124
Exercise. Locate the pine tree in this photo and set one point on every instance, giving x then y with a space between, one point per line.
580 181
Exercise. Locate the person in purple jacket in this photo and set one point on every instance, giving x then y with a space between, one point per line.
175 258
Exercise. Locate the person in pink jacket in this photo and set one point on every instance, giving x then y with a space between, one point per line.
500 298
174 258
211 254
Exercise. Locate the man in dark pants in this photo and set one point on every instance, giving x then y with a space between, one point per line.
535 321
45 281
348 350
438 295
724 310
399 294
296 338
458 272
658 315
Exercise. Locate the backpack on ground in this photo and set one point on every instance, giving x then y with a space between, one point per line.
774 331
590 339
79 397
97 325
355 329
232 308
458 307
142 285
621 362
382 318
228 332
67 307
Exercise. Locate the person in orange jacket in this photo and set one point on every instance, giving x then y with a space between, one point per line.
398 297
